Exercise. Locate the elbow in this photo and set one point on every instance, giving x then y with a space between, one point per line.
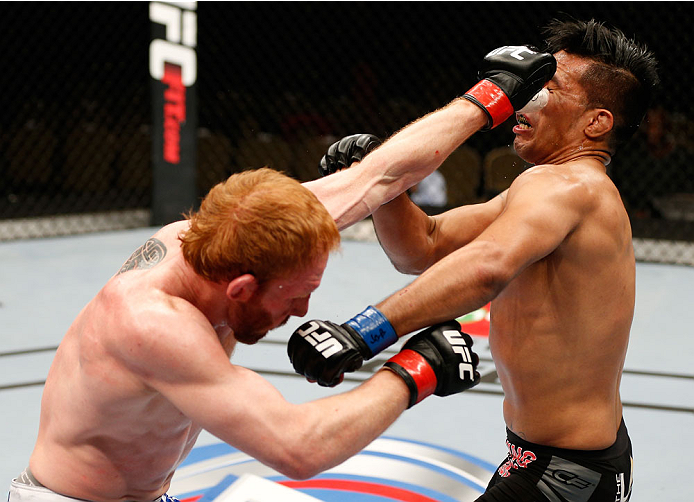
301 464
492 271
410 268
305 472
423 252
491 283
299 472
414 261
303 456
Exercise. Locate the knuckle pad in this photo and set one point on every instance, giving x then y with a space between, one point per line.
341 161
323 166
328 378
332 150
344 144
313 371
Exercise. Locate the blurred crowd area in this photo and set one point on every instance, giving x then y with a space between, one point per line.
279 82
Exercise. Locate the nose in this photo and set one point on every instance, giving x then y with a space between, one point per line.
300 306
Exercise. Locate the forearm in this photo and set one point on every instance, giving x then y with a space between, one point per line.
454 286
415 241
328 431
405 233
401 162
297 440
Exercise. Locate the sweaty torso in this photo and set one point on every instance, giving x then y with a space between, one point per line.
559 330
104 434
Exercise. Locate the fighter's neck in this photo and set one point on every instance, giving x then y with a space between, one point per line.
598 155
210 299
207 296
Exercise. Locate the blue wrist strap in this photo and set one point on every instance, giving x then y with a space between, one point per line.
374 328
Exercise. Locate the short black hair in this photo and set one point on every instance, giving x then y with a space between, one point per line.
623 77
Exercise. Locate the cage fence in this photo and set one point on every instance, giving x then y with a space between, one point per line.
277 83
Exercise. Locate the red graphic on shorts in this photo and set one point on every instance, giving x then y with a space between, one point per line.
517 458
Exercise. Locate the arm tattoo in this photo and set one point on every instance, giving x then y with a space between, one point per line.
146 256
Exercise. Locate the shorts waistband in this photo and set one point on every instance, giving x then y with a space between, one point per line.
27 478
615 450
27 488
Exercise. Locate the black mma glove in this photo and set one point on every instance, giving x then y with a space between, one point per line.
439 361
345 152
323 351
510 76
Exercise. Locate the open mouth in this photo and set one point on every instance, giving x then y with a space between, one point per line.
522 121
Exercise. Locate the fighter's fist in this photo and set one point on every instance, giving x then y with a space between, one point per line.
345 152
439 360
323 351
509 77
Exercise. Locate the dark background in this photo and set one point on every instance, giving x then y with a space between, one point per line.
277 82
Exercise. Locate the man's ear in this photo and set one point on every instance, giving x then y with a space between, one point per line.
601 123
241 288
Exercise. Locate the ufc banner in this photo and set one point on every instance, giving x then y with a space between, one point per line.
173 69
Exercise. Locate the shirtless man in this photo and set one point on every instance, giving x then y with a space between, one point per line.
145 365
554 256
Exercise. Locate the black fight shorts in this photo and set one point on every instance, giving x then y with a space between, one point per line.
536 473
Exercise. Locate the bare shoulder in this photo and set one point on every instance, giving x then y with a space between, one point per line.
155 249
581 192
578 182
147 329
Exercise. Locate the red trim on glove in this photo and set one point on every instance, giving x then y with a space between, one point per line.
494 100
420 371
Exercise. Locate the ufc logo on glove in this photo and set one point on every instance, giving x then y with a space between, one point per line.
457 342
322 341
514 51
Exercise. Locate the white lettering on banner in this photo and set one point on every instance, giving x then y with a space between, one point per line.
190 28
514 50
163 51
169 16
174 62
181 39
